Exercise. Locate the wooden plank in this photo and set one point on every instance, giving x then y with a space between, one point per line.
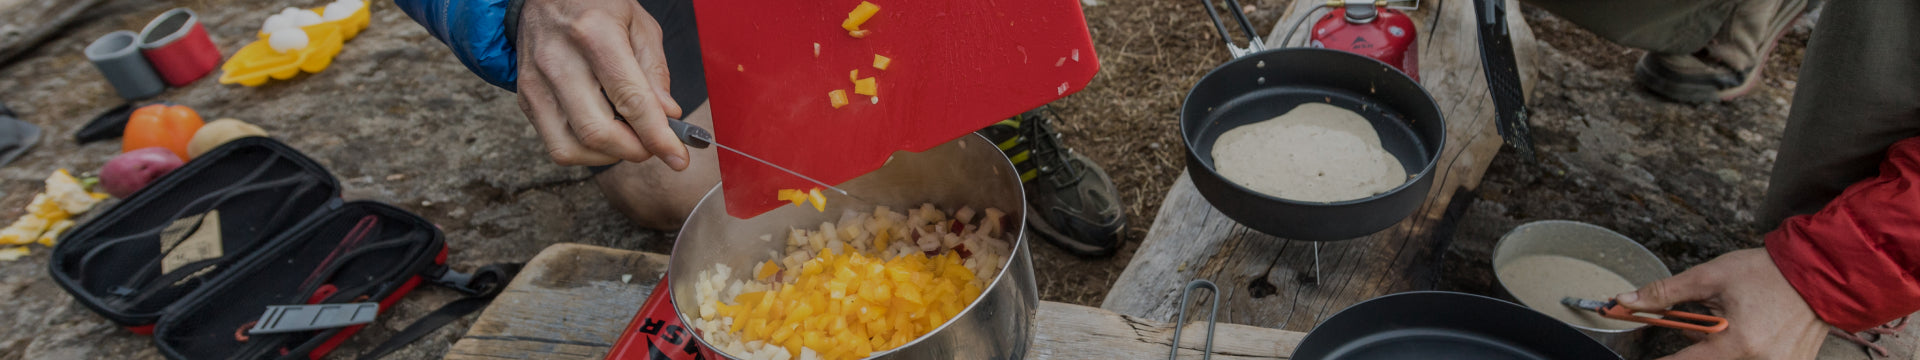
569 303
1271 281
1067 331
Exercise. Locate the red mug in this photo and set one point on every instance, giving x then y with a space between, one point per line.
178 47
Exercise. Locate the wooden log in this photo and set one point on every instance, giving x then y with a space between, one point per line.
25 24
1270 281
570 303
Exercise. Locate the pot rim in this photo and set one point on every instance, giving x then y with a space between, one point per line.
1016 246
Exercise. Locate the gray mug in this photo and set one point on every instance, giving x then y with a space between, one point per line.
117 55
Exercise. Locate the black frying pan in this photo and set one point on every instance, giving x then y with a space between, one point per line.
1260 84
1445 325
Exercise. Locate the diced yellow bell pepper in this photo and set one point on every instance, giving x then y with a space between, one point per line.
768 269
880 239
867 86
820 201
853 75
788 194
837 98
881 62
859 16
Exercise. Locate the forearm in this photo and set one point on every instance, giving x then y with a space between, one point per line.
476 31
1855 261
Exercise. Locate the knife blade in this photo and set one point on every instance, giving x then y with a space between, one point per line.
1503 76
699 138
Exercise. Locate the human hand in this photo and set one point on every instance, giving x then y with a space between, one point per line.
1766 317
574 51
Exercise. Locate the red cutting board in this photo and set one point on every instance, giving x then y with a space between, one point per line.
957 66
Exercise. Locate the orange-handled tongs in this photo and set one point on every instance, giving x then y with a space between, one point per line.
1612 310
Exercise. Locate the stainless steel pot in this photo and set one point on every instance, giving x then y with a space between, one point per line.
968 171
1593 244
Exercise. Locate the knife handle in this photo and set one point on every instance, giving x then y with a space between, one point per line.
690 134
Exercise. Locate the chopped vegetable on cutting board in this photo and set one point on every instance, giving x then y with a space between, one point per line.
859 16
837 98
866 86
788 78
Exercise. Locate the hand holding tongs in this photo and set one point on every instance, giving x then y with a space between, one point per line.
1613 310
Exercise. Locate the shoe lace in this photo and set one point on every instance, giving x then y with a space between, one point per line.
1048 153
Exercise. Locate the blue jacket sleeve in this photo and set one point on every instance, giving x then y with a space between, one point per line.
476 30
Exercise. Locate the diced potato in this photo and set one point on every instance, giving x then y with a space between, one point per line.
881 62
867 86
837 98
859 16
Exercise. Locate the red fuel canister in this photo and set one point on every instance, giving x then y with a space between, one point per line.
1376 32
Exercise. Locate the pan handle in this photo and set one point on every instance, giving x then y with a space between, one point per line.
1254 44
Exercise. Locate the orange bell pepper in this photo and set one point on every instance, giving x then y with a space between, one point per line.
167 126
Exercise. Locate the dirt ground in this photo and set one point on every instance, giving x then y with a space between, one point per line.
399 120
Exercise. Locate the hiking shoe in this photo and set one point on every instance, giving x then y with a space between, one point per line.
1731 63
1071 201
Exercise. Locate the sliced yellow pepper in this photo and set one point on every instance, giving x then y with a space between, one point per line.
880 62
859 16
867 86
768 269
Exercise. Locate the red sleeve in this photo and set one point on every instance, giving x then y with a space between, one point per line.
1856 261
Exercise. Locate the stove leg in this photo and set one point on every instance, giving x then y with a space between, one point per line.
1316 262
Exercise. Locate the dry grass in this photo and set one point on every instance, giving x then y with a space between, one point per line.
1150 53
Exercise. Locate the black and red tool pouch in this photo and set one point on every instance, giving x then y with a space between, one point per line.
248 252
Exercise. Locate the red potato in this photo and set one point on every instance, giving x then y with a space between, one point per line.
133 170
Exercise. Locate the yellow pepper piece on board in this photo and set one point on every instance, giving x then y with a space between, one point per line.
819 202
853 75
881 62
859 16
14 253
837 98
787 194
867 86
